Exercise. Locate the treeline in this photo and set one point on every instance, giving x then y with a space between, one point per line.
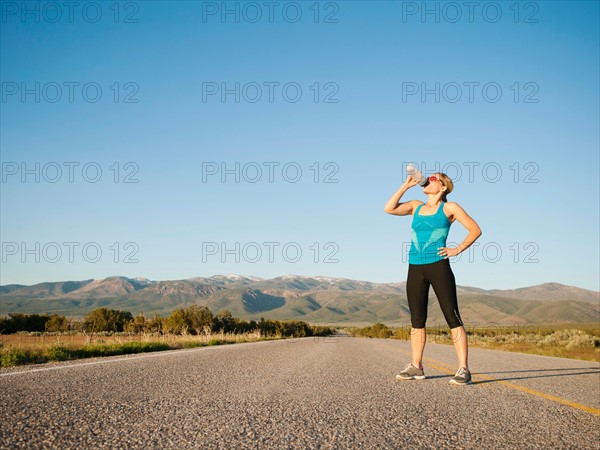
192 320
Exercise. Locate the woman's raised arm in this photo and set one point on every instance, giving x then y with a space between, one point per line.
402 209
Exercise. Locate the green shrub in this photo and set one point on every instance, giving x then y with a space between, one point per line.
15 357
377 330
58 353
89 351
193 344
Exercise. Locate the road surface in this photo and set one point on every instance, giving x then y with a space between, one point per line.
322 393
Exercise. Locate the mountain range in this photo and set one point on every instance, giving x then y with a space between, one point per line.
316 300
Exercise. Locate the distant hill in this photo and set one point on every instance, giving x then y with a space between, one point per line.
316 299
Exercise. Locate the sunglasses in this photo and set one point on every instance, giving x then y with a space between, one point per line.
434 178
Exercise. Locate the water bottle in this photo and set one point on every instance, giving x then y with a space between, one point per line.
417 175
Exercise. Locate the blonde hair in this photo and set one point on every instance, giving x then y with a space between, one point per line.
446 181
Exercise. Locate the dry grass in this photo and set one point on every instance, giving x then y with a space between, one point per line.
561 341
586 354
42 340
34 348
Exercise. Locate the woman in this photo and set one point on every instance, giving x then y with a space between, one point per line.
428 264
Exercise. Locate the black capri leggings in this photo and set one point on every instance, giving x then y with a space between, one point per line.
440 275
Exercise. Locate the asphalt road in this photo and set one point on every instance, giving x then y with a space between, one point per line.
321 393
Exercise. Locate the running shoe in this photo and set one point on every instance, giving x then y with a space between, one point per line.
463 376
411 373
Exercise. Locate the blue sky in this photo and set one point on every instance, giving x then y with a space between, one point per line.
531 138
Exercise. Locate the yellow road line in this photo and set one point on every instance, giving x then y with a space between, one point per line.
443 367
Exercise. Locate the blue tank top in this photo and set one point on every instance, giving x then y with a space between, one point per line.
428 233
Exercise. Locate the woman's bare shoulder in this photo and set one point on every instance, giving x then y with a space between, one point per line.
452 206
450 209
415 205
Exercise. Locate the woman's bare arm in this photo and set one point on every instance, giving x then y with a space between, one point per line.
466 220
401 209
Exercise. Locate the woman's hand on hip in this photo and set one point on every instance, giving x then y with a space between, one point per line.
446 252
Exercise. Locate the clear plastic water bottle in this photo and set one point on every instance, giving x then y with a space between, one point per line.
417 175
